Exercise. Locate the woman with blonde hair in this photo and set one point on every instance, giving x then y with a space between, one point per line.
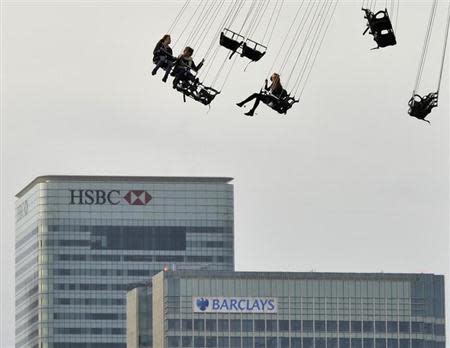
275 92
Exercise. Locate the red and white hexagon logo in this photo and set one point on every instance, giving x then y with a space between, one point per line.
138 197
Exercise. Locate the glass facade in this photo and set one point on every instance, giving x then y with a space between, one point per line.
315 310
81 242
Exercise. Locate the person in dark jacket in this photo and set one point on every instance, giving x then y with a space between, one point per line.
183 66
276 92
162 56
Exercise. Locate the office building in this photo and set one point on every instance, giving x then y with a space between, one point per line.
82 241
290 310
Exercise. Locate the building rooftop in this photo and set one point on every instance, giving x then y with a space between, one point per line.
103 178
296 275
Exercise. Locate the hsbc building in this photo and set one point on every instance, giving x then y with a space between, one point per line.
82 241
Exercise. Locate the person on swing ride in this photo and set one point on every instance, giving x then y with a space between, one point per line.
183 65
276 92
162 56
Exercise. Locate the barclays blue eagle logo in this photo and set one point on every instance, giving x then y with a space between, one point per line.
202 304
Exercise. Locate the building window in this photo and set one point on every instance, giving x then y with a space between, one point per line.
235 325
247 325
199 325
222 325
344 326
211 325
308 326
173 341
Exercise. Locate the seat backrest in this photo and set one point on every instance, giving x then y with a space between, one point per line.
251 53
229 43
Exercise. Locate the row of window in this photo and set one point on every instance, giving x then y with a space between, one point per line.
89 301
92 272
89 331
91 287
106 228
260 325
89 316
305 342
144 258
102 243
88 345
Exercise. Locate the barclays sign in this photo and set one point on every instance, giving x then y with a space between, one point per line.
234 305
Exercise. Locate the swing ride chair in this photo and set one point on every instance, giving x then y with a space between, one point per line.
197 91
253 50
280 105
231 40
379 25
244 47
420 107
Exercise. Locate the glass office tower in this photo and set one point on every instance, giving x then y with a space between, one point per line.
296 310
82 241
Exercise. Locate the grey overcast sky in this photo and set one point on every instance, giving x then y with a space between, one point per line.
346 182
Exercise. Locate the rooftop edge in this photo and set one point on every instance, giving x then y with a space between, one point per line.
112 178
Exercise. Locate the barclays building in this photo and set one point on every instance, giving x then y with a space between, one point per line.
288 310
82 241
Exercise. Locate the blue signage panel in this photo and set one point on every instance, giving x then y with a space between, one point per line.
234 304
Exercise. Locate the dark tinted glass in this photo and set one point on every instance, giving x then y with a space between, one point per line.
356 343
380 327
260 325
211 342
332 343
235 325
344 343
392 326
308 326
380 343
284 342
138 237
319 326
271 325
296 325
308 342
392 343
344 326
296 342
247 325
403 326
320 343
211 325
369 343
199 324
222 325
186 324
283 325
332 326
368 326
356 326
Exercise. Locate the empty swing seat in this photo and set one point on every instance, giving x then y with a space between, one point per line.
252 53
420 107
380 26
231 40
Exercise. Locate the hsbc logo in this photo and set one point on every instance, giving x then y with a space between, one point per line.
137 197
112 197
